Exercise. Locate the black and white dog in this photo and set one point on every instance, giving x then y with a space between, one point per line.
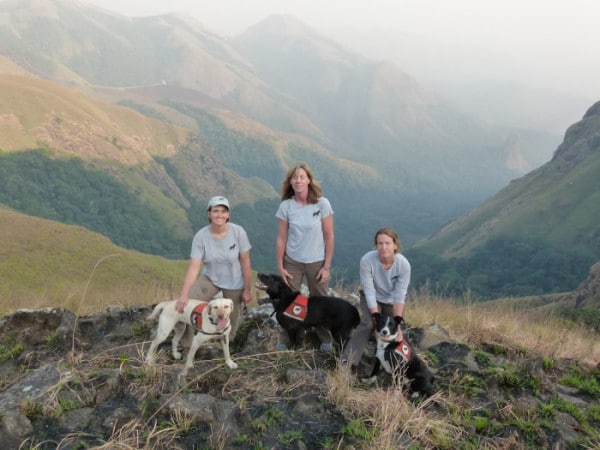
399 359
296 312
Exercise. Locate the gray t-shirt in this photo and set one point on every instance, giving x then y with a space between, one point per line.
384 286
305 242
221 257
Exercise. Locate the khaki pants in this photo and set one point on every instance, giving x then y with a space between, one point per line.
204 289
299 271
360 338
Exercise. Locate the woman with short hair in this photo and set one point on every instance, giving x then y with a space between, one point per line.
221 250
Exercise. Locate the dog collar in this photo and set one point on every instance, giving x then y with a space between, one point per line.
217 333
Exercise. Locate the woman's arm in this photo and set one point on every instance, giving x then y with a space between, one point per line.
282 237
368 283
247 273
328 238
190 278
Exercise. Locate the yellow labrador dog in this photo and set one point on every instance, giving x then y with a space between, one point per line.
209 319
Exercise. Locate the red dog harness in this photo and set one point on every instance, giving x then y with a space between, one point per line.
403 350
298 308
196 316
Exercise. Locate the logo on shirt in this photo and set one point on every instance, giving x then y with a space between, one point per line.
232 247
316 213
396 277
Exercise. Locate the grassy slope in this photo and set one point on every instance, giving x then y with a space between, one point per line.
8 66
51 115
36 113
48 264
44 263
559 203
543 204
537 235
130 147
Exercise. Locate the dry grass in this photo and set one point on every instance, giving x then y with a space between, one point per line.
497 322
395 421
389 412
398 420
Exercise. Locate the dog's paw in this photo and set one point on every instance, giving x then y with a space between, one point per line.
369 381
232 365
177 355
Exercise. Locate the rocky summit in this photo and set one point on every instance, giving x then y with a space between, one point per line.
74 382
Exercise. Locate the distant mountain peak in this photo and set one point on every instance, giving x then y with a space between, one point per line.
283 23
286 30
592 111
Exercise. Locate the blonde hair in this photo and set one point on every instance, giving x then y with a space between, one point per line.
388 231
314 188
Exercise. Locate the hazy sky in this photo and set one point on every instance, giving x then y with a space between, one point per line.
556 41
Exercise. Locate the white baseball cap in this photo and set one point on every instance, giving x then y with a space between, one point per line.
218 201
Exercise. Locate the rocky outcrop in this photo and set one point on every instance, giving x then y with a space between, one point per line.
587 293
80 382
581 139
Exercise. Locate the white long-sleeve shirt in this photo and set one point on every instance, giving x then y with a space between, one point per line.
381 285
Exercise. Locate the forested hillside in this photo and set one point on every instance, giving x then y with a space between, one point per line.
200 115
538 235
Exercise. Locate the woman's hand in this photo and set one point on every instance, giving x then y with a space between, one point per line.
285 275
399 335
181 304
399 320
323 275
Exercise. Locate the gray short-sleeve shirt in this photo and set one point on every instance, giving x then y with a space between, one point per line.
305 242
221 257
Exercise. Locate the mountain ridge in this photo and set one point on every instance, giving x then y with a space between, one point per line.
387 150
549 213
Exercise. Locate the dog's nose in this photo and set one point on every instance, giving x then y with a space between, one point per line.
385 332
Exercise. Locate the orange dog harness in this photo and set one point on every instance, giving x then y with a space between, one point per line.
196 316
403 350
298 308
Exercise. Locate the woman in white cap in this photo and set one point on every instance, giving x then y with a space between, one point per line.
221 250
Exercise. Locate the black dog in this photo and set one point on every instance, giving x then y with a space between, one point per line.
399 359
295 312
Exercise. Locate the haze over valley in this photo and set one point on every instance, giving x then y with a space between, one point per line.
153 115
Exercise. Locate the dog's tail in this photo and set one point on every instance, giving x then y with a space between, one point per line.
156 312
